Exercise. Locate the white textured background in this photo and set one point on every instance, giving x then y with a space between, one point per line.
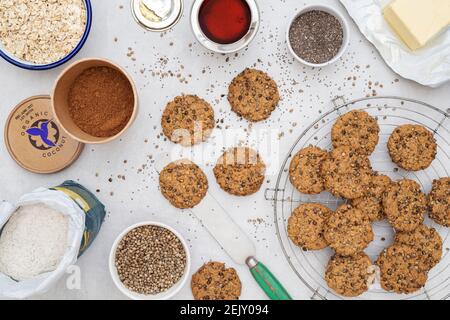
306 93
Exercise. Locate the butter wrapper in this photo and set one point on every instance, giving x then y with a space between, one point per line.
429 66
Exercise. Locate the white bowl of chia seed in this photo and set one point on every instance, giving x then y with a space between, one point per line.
318 35
149 261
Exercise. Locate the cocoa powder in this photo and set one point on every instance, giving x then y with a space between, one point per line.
101 101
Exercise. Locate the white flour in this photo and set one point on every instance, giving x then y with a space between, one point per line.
33 241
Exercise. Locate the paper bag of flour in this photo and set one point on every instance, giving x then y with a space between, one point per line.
83 215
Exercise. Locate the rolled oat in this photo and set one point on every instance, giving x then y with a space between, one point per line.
41 31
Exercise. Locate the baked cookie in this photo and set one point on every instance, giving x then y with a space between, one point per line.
350 276
187 120
304 171
240 171
401 269
306 226
346 173
348 230
356 129
412 147
439 202
253 95
215 282
426 240
372 204
405 205
183 183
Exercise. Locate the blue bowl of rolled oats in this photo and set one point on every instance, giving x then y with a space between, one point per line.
43 34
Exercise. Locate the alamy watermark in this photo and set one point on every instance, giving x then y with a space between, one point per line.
73 281
266 142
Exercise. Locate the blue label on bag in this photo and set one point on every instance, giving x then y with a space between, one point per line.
94 209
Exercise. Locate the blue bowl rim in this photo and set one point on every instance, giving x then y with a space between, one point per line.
63 60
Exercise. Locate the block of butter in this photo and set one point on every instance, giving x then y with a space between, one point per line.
416 22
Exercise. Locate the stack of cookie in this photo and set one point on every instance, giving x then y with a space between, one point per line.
347 173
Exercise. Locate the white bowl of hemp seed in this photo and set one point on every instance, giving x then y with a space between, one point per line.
149 261
317 35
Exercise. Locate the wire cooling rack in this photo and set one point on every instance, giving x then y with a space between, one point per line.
390 113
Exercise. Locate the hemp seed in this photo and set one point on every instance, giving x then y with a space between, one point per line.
150 260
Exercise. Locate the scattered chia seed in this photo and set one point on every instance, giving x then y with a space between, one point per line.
150 260
316 36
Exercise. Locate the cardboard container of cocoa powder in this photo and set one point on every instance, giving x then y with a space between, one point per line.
60 103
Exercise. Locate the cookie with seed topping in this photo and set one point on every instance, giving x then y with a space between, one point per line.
240 171
306 226
439 201
350 276
304 170
346 173
356 129
183 183
405 205
187 120
371 203
348 230
426 240
401 269
253 95
412 147
215 282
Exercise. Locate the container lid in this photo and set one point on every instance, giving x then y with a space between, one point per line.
157 15
35 141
